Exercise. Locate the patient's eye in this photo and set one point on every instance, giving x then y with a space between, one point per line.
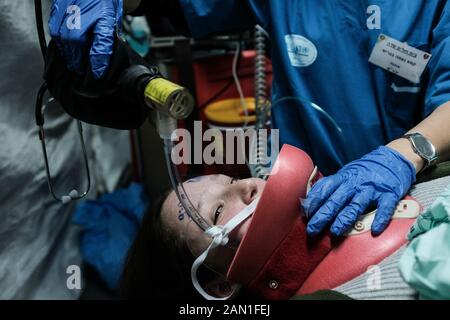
234 180
217 213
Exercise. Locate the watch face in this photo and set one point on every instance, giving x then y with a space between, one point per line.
423 146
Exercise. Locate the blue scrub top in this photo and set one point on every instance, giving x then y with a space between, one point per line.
320 55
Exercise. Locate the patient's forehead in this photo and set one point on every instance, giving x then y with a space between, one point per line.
195 188
207 178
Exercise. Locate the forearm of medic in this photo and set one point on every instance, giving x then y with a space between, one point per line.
436 128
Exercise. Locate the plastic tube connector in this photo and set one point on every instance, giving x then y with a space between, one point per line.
166 126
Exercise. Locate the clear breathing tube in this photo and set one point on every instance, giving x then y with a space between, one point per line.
166 126
263 105
261 96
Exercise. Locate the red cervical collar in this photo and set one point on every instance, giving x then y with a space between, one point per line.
276 259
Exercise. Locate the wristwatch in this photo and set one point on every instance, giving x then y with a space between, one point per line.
423 147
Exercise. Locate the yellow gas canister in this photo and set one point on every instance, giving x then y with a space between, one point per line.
230 113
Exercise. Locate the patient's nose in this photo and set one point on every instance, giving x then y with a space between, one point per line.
247 190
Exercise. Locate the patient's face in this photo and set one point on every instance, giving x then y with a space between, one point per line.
218 198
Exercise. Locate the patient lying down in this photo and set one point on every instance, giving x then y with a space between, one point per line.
172 241
159 263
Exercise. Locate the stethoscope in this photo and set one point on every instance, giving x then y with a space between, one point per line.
39 113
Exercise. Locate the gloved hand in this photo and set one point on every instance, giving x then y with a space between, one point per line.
381 177
80 27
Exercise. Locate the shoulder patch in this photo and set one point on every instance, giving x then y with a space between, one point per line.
302 52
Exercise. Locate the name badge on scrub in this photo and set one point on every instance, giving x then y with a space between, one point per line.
399 58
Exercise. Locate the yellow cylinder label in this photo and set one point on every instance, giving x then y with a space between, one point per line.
160 90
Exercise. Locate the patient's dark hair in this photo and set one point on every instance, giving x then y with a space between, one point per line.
158 263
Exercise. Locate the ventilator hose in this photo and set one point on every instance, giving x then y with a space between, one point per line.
260 70
262 104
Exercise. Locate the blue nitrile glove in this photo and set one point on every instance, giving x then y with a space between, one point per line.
86 27
381 177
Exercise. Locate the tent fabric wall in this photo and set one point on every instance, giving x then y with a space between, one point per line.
38 242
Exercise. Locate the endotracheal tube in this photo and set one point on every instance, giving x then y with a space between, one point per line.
166 127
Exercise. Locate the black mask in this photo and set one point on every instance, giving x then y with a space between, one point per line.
101 102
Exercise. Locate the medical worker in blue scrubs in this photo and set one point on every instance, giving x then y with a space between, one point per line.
377 69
